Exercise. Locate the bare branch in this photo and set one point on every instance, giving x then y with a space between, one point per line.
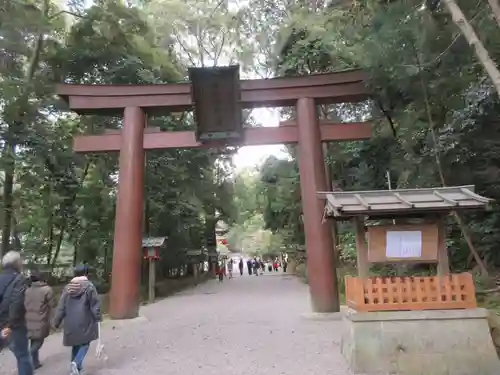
199 42
219 52
388 118
216 7
60 13
445 51
185 49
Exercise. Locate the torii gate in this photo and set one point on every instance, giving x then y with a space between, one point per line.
223 104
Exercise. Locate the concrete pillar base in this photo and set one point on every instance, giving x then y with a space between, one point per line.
440 342
325 317
117 323
322 316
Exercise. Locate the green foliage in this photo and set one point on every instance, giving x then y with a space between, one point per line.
63 204
279 185
251 233
348 254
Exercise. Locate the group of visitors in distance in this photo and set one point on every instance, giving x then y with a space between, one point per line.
255 266
28 311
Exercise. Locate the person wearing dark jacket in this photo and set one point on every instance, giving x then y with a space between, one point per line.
249 266
240 266
39 302
12 312
79 310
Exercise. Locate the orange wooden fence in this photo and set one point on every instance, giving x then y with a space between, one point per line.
411 293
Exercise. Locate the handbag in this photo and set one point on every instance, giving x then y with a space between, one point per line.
99 350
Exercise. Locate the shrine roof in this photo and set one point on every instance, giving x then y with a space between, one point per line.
154 241
345 204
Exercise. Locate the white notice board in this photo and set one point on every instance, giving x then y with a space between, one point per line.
403 244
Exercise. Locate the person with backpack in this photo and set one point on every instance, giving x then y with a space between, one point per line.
40 303
14 332
79 310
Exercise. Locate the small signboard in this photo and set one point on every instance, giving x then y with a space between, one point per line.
154 241
403 244
414 243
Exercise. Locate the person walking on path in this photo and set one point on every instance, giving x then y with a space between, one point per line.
240 266
79 310
249 266
230 264
256 265
40 304
14 333
220 271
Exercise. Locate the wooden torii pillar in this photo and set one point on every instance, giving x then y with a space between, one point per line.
136 102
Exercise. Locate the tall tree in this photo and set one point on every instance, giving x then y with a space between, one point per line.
470 35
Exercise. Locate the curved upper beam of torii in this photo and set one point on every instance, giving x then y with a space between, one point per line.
328 88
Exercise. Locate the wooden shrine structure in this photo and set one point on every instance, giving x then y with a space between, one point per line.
410 324
217 96
407 227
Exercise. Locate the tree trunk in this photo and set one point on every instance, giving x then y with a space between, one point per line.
495 7
75 253
58 247
106 265
18 245
66 219
329 183
147 223
210 236
470 35
50 245
8 189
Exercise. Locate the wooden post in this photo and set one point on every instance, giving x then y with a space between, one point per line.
321 268
152 280
443 267
126 274
361 248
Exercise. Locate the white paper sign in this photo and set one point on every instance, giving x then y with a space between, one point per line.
403 244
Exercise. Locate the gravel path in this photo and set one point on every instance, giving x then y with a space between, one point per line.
248 325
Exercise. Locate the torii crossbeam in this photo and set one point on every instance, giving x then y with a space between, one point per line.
136 102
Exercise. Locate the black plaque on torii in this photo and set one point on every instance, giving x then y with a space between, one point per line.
216 96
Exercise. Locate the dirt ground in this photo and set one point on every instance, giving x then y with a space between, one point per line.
248 325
